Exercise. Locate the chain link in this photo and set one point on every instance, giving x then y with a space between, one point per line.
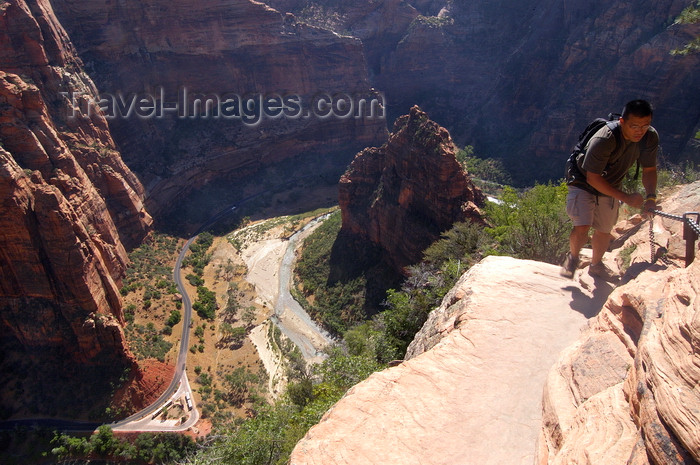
666 215
685 219
695 226
651 237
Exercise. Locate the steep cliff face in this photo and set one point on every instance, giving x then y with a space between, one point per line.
520 79
69 204
221 49
403 195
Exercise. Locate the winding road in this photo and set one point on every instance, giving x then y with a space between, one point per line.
179 386
289 316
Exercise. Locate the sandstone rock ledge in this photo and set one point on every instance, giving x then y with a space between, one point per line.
470 389
520 366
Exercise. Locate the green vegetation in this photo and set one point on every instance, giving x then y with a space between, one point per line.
669 174
148 282
198 257
531 225
422 291
147 342
431 21
337 305
205 305
254 232
232 335
490 170
626 255
174 318
151 266
528 224
269 437
194 279
147 448
690 15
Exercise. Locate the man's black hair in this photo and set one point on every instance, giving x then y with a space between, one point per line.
638 108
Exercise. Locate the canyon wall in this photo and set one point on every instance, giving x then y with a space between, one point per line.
70 206
403 195
221 49
519 80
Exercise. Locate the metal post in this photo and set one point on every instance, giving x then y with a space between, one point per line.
690 235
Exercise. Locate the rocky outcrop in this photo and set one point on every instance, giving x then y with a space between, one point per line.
69 204
220 49
619 369
627 390
403 195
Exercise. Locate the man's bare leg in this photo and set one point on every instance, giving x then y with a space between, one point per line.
577 239
600 243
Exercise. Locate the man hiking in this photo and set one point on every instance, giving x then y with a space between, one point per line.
594 193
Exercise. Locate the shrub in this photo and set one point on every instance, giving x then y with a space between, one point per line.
174 318
532 225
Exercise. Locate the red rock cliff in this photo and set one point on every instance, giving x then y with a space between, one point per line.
403 195
69 204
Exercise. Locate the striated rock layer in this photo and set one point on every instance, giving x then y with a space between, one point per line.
628 391
69 204
403 195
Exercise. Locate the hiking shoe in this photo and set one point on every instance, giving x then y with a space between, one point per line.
570 265
601 270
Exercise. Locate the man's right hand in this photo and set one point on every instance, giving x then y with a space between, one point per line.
634 200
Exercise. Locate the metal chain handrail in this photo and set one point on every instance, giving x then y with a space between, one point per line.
691 232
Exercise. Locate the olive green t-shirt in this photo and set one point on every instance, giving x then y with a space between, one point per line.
605 158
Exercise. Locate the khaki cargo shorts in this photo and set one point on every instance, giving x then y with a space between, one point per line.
586 209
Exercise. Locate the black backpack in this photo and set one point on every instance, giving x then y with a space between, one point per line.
573 175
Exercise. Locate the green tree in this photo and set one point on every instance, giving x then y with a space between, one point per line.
238 335
237 384
232 304
174 318
248 316
104 443
234 335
